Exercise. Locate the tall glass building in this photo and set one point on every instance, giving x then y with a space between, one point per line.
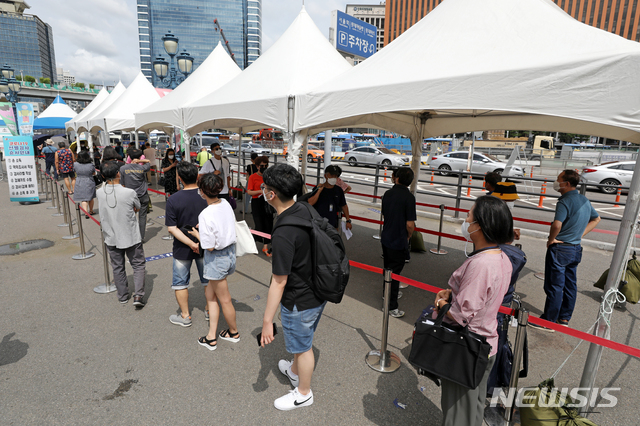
26 43
192 22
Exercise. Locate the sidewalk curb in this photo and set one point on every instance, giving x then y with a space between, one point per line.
528 232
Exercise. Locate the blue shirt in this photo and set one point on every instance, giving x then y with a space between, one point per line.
575 212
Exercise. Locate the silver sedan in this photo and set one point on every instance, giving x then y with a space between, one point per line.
371 155
612 174
482 163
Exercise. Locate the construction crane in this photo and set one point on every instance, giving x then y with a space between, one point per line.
226 42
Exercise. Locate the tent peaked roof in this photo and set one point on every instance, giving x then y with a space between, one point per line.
120 114
213 73
258 97
471 65
113 96
102 95
58 100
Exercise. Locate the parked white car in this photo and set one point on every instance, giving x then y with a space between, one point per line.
613 174
482 163
366 155
254 147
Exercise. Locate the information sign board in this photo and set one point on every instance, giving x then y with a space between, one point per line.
21 168
353 36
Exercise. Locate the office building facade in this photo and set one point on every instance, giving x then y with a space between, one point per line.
371 14
192 22
620 17
26 42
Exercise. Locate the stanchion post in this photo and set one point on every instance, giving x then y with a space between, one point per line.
439 250
82 255
521 334
375 183
55 195
384 361
458 196
65 214
71 235
46 188
106 287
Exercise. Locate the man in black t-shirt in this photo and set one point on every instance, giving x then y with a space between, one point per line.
329 198
290 286
182 212
399 211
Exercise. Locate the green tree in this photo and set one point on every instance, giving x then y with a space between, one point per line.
81 85
45 80
18 77
29 79
92 86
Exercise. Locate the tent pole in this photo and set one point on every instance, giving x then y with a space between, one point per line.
305 150
327 147
239 166
616 272
416 153
135 135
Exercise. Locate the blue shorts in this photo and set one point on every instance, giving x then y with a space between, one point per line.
298 327
182 273
218 264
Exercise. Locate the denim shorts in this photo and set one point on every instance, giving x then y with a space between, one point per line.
182 273
298 327
218 264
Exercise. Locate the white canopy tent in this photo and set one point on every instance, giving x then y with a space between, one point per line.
120 114
504 64
471 65
72 125
213 73
85 123
262 95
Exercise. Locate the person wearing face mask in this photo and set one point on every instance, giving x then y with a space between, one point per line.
475 296
329 200
574 218
399 211
218 166
169 164
262 217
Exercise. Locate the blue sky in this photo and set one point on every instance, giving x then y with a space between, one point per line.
97 40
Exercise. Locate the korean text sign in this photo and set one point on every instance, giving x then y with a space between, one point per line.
355 37
21 168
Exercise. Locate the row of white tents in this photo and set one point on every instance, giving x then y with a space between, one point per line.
467 66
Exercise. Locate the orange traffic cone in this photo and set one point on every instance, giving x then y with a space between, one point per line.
385 174
469 188
544 191
431 178
618 197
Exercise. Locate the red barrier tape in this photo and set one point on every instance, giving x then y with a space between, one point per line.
157 192
87 213
426 231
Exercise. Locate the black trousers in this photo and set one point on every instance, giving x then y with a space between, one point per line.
394 260
263 221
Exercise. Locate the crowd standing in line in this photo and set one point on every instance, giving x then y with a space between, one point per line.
85 188
168 166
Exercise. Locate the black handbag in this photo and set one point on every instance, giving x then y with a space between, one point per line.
450 352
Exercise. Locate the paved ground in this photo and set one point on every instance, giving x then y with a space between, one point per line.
70 356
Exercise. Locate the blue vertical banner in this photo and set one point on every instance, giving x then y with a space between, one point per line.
25 118
21 168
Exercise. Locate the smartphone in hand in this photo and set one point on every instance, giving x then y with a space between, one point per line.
259 336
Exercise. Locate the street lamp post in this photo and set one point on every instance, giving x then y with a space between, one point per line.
10 88
166 72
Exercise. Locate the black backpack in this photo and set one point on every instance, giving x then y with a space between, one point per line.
329 261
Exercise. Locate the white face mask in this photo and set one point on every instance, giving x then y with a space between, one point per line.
556 186
265 195
171 157
217 152
464 228
200 194
332 181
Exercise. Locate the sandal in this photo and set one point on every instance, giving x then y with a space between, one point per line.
228 335
209 344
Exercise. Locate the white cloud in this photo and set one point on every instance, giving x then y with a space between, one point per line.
97 40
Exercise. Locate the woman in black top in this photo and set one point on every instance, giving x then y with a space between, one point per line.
168 166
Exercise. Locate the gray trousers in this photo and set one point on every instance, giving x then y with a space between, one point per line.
136 258
462 406
142 214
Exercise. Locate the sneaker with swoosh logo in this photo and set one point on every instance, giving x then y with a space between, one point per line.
294 399
285 368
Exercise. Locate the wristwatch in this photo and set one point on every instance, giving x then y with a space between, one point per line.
348 220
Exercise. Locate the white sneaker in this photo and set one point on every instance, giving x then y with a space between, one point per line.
293 400
285 368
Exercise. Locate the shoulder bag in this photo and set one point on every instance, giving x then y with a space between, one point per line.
245 244
450 352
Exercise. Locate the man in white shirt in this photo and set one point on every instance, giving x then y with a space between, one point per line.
218 165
